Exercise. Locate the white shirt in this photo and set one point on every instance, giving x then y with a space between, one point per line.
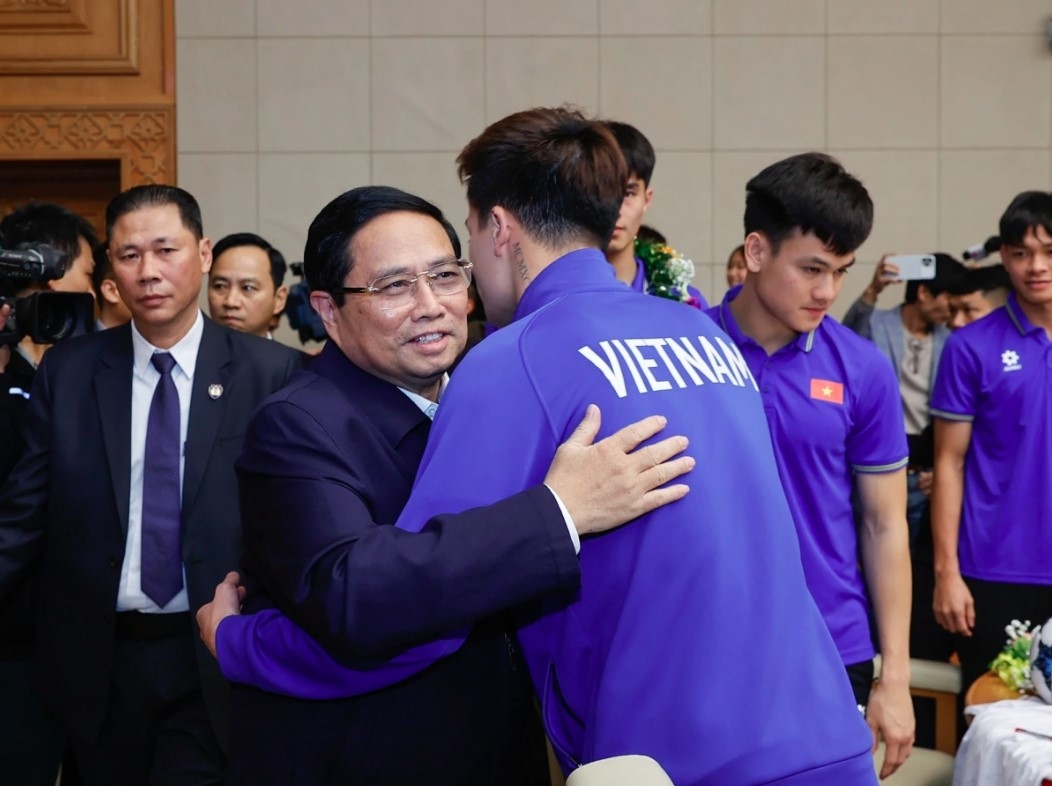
130 596
430 408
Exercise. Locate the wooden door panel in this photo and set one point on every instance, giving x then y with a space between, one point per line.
85 187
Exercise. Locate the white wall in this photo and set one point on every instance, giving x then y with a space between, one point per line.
942 108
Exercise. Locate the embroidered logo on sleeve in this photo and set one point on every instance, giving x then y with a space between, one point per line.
824 390
1010 359
18 392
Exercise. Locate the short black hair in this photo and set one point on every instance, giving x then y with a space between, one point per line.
560 174
812 193
650 235
635 147
327 255
948 274
278 266
1029 210
988 278
103 269
44 222
139 197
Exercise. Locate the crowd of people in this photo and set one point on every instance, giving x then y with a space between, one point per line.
624 524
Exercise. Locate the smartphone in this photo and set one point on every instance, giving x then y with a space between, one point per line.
914 267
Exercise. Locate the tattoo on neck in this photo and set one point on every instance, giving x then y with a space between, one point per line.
520 263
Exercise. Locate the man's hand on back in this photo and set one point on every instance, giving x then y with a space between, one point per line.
611 482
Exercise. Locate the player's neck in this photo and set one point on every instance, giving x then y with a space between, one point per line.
755 321
1039 314
624 263
913 321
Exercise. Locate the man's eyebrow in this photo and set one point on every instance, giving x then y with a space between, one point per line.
823 263
397 270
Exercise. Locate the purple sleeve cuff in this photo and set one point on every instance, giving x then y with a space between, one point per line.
268 651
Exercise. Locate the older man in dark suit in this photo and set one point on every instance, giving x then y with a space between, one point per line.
127 494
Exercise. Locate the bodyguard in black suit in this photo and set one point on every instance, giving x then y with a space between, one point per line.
131 436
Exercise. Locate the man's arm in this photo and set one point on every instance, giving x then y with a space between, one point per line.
23 497
858 316
271 652
362 589
886 565
268 651
952 600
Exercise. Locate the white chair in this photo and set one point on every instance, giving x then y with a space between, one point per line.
620 771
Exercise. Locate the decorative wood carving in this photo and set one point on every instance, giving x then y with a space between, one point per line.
142 138
69 36
9 5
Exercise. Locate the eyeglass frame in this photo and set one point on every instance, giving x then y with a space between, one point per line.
371 289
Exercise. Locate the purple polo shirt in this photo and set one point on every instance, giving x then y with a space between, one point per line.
639 284
997 374
832 404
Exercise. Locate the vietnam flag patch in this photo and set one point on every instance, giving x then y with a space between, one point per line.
824 390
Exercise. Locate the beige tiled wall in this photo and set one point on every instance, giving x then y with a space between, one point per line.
942 107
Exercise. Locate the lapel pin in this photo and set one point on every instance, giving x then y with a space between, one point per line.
215 391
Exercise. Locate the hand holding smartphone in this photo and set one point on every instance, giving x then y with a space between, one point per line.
913 267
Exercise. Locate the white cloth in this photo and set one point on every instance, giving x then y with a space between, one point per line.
993 752
430 408
130 596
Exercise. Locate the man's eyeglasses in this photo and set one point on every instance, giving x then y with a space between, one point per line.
399 289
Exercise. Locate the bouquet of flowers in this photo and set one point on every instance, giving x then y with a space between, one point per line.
667 272
1012 665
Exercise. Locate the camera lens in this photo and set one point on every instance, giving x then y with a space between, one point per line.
56 321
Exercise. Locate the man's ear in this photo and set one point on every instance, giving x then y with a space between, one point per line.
325 307
648 197
205 247
108 287
757 251
281 295
502 227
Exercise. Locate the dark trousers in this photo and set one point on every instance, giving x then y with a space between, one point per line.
861 676
156 731
996 605
31 741
928 639
468 719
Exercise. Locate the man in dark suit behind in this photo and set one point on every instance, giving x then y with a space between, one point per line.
126 491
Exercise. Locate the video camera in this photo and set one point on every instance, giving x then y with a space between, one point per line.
302 317
46 317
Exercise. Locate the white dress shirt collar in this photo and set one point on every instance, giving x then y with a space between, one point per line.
426 405
184 350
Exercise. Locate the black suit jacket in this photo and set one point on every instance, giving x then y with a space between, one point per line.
68 499
18 610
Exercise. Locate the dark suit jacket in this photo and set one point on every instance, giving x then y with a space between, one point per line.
17 611
68 498
328 463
